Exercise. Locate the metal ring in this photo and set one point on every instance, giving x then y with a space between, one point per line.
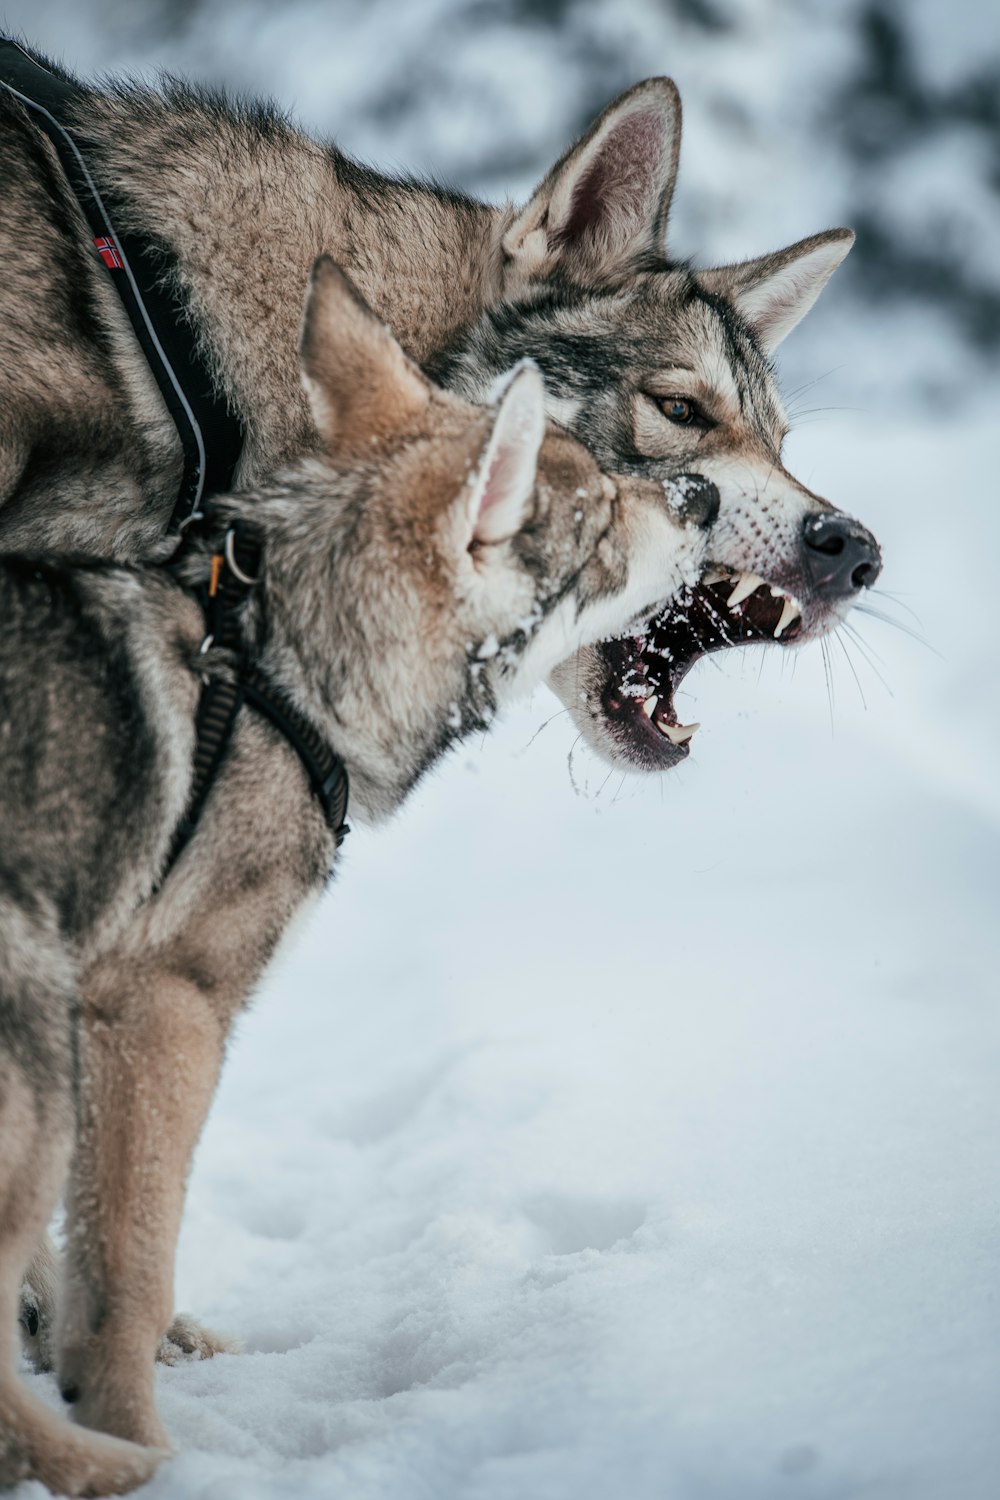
233 564
196 515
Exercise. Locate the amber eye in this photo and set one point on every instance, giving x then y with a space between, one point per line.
679 410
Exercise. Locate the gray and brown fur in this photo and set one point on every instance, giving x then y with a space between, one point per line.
578 280
431 559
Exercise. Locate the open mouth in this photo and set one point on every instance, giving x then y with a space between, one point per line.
725 608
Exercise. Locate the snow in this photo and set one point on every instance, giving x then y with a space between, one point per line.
602 1138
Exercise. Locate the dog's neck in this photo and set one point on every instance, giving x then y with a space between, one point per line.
247 202
304 627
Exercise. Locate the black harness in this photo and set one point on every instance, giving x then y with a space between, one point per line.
234 572
142 273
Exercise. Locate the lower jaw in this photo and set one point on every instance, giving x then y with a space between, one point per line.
625 674
633 740
627 735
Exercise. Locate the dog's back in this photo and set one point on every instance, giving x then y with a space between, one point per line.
87 452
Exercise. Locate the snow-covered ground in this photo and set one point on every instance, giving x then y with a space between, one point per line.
604 1139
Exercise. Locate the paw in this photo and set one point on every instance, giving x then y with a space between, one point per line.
186 1341
36 1443
99 1465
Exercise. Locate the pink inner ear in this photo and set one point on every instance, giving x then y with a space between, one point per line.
621 183
497 480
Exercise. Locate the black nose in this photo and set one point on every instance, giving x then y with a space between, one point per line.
695 498
841 557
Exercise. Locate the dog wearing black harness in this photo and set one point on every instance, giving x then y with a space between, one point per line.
382 598
155 242
213 210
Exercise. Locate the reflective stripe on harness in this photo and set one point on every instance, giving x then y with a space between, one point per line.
142 272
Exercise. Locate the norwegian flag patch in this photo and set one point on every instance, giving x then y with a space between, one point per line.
109 253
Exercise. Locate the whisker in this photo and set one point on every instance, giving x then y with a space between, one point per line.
569 766
897 599
710 656
604 783
878 614
812 411
815 381
829 680
557 715
860 641
618 793
865 652
847 655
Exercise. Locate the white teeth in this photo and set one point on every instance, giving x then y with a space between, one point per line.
678 734
790 612
748 582
649 706
717 575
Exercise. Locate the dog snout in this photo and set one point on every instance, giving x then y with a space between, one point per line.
698 499
841 557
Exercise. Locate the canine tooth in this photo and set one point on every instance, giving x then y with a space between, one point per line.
716 575
790 612
746 586
649 707
678 734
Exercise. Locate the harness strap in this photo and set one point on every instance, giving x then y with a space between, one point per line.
143 274
218 706
326 771
234 572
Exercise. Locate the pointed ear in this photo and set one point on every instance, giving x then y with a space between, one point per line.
360 385
504 484
605 202
775 291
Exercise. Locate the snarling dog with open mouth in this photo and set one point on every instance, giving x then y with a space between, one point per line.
665 372
788 566
660 370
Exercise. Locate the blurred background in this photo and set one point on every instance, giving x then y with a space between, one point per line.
623 1136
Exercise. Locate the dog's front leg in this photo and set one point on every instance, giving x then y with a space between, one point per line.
152 1046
